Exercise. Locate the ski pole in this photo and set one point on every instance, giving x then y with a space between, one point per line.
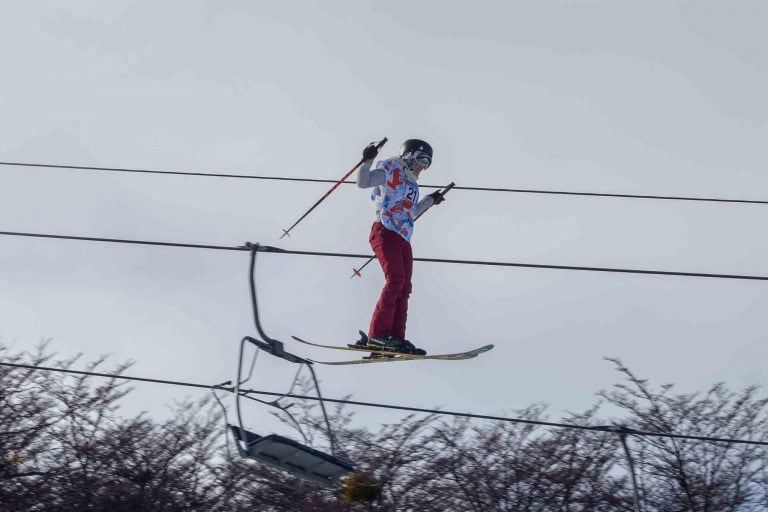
356 271
334 187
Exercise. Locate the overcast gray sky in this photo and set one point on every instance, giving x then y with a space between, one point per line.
662 97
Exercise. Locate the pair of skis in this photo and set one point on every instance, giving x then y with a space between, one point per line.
383 356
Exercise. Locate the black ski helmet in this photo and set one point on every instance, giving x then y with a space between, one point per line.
412 145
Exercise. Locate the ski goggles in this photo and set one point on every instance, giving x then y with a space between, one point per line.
423 159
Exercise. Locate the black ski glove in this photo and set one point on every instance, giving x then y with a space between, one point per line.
437 197
370 152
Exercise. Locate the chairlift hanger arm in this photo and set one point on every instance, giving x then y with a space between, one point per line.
275 348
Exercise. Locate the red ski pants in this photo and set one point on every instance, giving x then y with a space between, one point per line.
396 259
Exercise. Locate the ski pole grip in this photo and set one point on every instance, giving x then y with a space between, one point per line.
447 188
378 146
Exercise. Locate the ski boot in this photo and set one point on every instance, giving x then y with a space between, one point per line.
363 342
396 346
367 343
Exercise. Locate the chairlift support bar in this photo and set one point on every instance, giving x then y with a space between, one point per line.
623 432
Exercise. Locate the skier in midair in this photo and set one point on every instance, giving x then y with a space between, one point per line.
396 196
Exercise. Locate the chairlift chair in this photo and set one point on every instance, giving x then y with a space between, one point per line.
274 450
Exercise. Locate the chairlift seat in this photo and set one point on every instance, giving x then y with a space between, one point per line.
291 456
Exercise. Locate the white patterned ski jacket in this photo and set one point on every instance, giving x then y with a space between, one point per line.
396 194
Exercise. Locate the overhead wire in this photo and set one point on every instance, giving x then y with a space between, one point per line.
458 187
438 412
276 250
